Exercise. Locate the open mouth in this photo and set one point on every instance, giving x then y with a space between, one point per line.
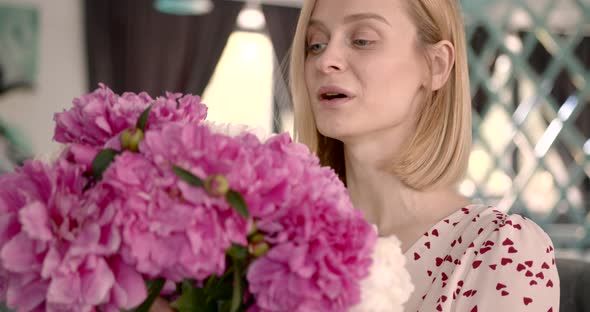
332 96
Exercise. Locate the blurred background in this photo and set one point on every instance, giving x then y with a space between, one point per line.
529 65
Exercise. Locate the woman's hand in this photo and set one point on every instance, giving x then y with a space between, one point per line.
161 305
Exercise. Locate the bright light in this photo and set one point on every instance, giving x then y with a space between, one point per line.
251 19
240 91
467 188
513 43
548 138
568 108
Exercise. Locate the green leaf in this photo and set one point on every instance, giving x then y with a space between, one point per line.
225 306
143 118
221 289
154 289
193 299
187 176
237 201
237 252
223 292
236 299
210 282
102 161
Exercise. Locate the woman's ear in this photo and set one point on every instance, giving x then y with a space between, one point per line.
442 59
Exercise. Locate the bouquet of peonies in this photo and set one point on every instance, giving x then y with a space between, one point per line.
147 199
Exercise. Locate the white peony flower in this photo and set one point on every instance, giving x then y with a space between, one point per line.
388 285
237 129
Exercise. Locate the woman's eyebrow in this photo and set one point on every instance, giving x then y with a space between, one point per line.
362 16
351 18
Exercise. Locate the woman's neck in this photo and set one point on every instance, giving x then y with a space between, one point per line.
383 198
395 208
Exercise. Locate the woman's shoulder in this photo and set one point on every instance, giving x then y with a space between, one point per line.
511 247
495 228
482 259
515 258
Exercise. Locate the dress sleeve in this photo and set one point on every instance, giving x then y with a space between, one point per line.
513 269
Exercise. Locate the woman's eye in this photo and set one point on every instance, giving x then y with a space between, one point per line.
315 47
362 43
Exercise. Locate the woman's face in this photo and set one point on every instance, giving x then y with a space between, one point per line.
363 69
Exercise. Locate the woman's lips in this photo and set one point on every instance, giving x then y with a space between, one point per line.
333 95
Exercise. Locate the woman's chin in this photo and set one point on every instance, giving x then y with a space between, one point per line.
336 133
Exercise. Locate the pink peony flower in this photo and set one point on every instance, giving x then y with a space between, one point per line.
72 243
87 121
19 286
59 248
196 149
99 117
321 246
170 229
175 107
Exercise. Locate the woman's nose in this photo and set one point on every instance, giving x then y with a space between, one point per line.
331 59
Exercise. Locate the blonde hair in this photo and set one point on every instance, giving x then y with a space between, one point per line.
438 153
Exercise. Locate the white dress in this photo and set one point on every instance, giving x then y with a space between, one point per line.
480 259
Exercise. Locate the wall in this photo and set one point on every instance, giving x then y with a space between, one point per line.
61 73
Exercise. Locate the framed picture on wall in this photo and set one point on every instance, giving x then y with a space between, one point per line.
19 46
19 53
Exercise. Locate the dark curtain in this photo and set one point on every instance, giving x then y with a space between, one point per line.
133 47
281 23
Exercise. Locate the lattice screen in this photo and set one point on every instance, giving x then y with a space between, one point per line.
529 67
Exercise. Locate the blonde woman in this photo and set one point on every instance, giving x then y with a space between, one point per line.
381 94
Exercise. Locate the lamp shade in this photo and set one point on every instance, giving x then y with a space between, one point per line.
184 7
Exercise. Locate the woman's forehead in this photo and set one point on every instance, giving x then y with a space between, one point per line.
343 11
331 13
